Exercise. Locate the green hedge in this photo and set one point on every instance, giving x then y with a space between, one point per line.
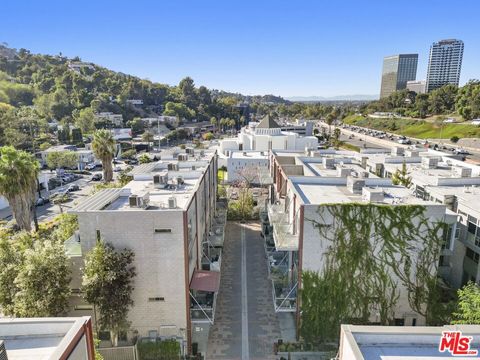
159 350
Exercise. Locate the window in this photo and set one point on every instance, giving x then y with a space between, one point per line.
160 231
159 298
457 232
83 307
472 255
414 322
104 335
122 336
472 228
99 236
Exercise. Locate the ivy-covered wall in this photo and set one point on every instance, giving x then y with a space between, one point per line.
368 262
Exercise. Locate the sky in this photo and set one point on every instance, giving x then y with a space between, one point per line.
286 48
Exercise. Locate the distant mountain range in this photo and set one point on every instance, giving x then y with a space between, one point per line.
333 98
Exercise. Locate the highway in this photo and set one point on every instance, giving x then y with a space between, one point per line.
373 142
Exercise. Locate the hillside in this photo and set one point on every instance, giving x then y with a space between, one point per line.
37 90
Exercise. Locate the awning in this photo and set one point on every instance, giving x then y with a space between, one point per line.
204 280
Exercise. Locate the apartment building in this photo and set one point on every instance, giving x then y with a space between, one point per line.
267 135
417 86
325 202
444 179
444 63
169 217
248 165
109 117
84 156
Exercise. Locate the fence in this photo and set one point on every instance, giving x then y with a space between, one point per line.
119 353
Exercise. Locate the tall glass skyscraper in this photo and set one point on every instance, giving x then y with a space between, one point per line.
444 64
397 70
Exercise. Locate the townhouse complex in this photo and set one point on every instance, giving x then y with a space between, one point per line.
337 214
169 217
249 151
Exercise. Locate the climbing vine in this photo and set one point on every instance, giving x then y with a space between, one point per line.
373 253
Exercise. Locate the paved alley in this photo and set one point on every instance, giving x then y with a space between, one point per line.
245 322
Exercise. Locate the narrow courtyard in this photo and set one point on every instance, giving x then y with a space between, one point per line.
245 323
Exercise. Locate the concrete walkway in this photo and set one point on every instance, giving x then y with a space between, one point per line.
245 322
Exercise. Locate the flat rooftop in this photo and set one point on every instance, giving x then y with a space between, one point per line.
39 338
400 342
337 192
468 196
249 155
178 181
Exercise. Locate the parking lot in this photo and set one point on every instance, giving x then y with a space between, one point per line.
71 188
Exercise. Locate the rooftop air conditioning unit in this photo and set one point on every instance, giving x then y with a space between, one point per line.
372 195
397 151
430 162
412 153
159 181
355 185
172 202
328 163
136 201
173 166
461 171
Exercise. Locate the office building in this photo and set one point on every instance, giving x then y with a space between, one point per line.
168 216
418 87
397 70
444 64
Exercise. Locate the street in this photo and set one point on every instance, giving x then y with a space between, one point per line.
49 210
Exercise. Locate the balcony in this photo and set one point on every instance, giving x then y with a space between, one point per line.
217 228
444 271
203 296
202 307
284 237
212 259
283 274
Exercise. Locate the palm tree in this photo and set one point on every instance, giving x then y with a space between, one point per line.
103 146
214 122
18 183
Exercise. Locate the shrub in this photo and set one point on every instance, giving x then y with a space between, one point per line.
454 139
159 350
129 154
